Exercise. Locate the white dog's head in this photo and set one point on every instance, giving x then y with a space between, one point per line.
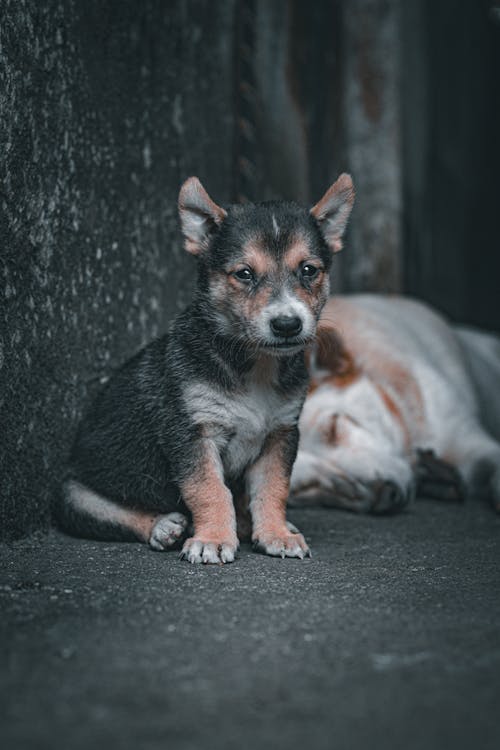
352 450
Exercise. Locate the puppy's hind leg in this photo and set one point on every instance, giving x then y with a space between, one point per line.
84 512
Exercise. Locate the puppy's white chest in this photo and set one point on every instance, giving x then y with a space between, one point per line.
254 415
240 422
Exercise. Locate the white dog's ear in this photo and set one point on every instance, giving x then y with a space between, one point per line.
332 211
199 215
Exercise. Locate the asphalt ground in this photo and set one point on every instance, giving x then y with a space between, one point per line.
387 638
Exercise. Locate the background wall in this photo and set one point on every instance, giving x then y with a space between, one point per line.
451 113
107 106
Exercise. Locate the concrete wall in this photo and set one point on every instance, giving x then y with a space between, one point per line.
105 108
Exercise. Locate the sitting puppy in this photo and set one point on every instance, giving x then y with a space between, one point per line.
205 418
396 406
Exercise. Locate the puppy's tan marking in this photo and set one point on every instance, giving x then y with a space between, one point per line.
313 297
257 302
268 484
211 505
298 253
255 256
262 264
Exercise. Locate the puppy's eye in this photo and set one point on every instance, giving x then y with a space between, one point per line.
244 274
308 271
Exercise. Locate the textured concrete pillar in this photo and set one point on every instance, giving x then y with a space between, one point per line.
104 109
372 123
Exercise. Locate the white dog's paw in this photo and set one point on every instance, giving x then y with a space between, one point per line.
167 530
390 497
438 479
286 542
198 550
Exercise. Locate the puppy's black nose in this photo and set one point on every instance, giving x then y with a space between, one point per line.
286 326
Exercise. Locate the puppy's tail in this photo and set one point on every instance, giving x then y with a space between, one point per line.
82 512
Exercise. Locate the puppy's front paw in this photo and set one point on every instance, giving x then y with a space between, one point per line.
199 550
167 530
282 542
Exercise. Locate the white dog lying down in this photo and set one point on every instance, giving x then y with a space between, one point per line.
400 403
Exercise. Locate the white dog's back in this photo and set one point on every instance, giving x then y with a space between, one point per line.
482 354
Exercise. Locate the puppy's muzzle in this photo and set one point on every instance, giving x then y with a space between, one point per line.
286 326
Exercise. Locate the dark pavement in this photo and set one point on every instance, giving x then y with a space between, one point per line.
387 638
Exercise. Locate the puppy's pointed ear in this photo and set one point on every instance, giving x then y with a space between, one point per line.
199 215
332 211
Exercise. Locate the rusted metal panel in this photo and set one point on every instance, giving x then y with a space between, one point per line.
297 81
327 100
372 138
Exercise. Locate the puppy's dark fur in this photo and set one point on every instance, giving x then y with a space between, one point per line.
205 418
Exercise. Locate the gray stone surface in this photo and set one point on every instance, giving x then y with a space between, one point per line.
105 109
387 638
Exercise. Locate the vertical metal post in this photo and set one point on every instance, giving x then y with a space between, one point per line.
372 125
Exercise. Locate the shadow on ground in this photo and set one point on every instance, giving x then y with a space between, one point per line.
387 638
